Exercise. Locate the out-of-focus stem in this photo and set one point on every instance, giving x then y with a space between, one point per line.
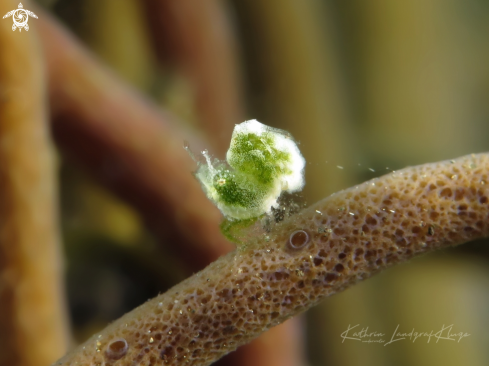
196 37
124 43
130 146
321 251
33 322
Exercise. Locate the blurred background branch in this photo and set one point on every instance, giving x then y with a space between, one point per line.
32 304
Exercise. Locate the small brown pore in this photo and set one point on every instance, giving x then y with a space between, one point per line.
298 239
116 349
167 353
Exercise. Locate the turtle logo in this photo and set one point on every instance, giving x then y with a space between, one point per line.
20 17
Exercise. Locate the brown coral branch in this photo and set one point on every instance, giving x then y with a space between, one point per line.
33 322
333 244
196 37
130 146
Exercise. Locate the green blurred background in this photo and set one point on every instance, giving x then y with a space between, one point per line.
367 85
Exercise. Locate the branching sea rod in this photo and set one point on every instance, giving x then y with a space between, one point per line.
324 249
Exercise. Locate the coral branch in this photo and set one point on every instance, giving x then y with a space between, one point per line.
198 39
33 322
333 244
130 146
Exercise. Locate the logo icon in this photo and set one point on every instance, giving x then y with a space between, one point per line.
20 17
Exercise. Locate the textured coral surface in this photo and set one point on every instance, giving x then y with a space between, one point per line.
324 249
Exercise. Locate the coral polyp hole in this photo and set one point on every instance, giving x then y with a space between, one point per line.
298 239
167 353
117 349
